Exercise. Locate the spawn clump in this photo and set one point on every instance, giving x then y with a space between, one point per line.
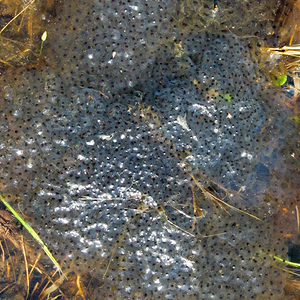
103 143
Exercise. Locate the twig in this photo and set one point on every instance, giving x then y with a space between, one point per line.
298 218
26 266
79 287
5 62
35 263
3 253
113 252
8 286
219 201
16 16
98 91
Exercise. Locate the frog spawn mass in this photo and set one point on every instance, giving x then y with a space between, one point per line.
107 175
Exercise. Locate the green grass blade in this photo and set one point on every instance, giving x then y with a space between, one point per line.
33 234
290 263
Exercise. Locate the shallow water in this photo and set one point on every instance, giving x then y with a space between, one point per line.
124 139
